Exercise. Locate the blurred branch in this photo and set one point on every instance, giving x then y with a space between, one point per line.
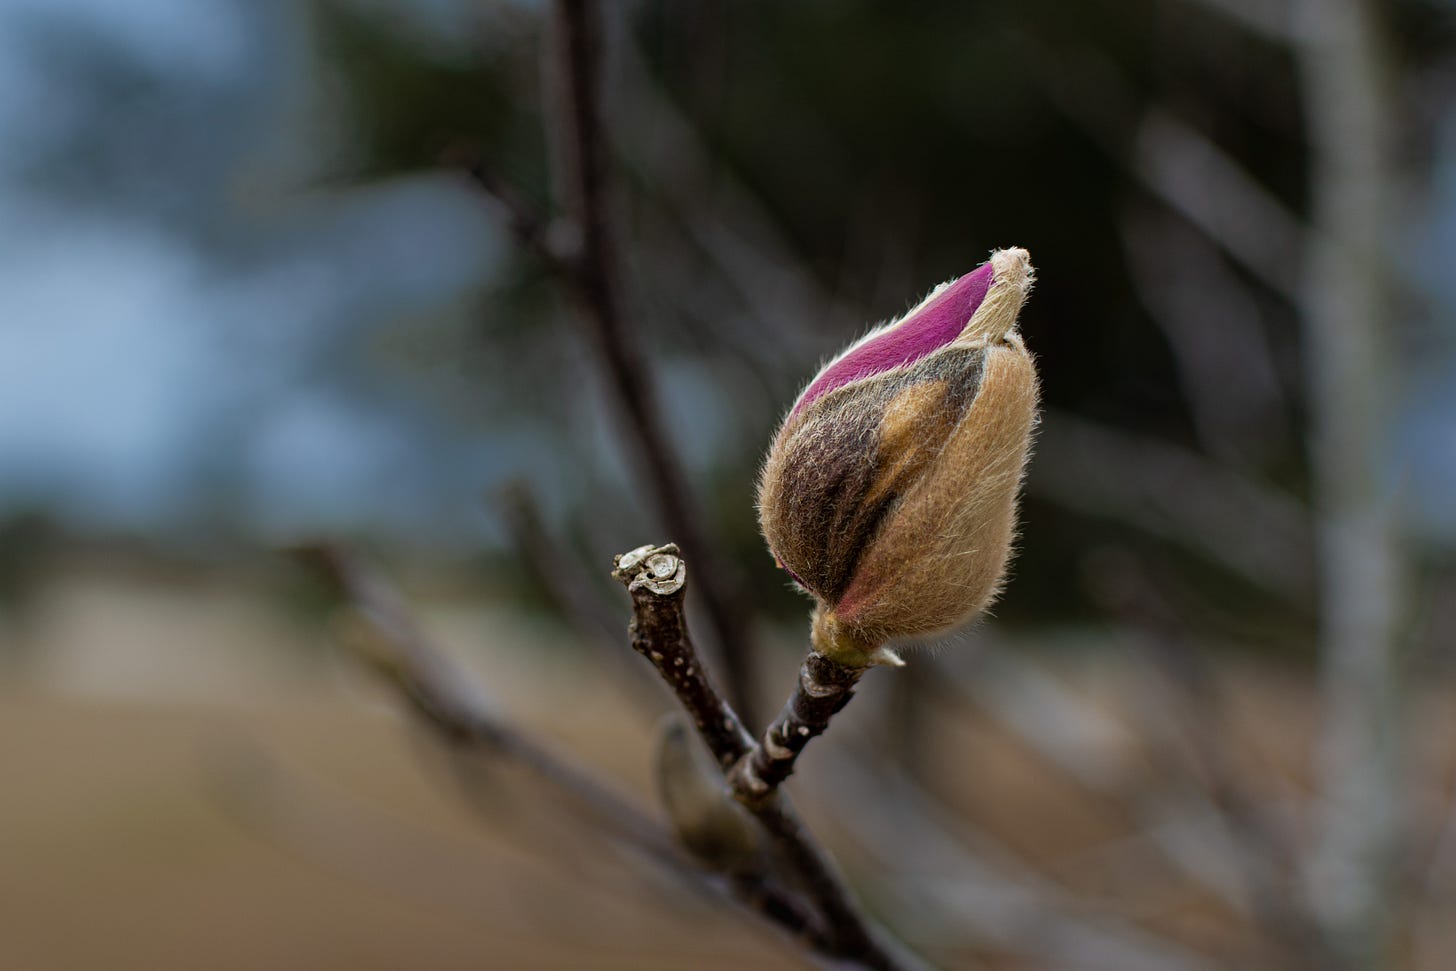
399 651
598 288
1250 529
1177 164
1191 827
725 219
1186 694
1345 297
945 886
1213 326
1210 189
402 654
656 579
564 580
583 252
1270 19
346 836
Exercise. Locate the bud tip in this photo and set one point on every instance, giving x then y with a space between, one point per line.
1012 267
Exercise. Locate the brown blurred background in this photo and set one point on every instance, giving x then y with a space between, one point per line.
249 297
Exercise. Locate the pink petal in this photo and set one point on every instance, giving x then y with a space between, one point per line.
930 328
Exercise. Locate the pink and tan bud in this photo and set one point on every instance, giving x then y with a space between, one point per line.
890 490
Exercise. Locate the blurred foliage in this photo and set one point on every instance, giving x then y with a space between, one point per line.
407 103
893 146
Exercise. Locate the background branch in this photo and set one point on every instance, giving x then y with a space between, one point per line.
597 287
437 691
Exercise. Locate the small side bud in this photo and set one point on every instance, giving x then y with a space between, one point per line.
709 823
889 493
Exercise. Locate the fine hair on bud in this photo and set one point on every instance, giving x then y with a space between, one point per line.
890 491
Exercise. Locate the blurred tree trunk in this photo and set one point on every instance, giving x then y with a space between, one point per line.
1349 318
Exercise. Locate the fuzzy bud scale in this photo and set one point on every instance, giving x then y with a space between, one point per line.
890 490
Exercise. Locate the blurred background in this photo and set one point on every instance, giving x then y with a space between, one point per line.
250 297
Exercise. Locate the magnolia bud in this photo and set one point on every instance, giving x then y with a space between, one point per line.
890 490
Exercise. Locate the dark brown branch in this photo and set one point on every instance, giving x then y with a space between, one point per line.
825 686
656 578
659 633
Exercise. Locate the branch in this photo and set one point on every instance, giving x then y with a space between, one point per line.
1214 327
1209 188
1177 164
534 230
824 687
656 578
401 653
1130 594
421 673
571 591
596 284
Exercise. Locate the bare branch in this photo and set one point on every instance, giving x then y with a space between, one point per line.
533 228
1214 327
824 687
1177 164
400 652
656 578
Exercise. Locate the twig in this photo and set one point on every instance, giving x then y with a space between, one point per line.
656 578
1210 189
825 686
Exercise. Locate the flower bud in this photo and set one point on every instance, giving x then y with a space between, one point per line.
890 490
